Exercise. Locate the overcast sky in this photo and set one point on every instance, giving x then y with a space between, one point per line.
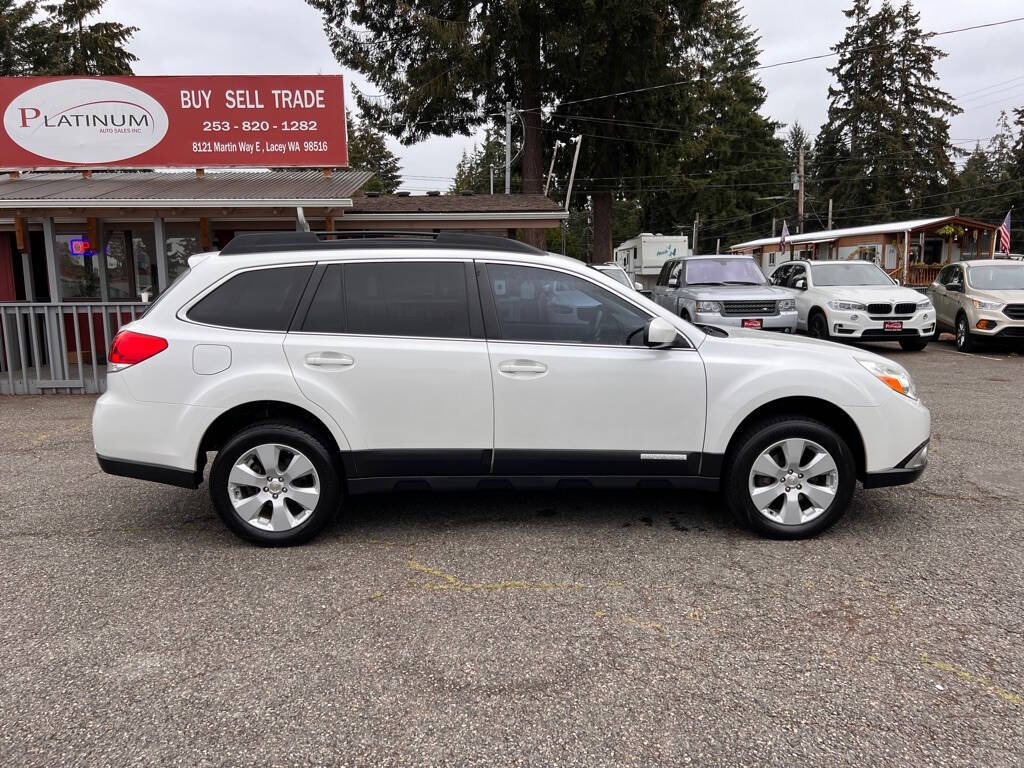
984 69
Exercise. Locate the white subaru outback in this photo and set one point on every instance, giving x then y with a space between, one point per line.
314 368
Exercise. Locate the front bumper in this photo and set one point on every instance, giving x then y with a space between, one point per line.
994 324
907 471
860 325
783 321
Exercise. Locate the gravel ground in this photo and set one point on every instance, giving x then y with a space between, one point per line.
576 628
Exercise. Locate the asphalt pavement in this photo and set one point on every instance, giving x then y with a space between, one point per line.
571 629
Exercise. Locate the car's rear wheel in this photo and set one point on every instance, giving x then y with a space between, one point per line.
790 477
913 345
965 341
275 484
817 326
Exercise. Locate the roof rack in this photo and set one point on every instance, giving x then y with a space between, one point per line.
265 242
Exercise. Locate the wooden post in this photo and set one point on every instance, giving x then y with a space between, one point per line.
906 257
21 233
15 174
329 222
86 174
200 173
204 234
328 172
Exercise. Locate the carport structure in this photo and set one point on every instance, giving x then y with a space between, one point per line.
913 251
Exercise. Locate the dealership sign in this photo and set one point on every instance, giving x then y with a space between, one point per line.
168 122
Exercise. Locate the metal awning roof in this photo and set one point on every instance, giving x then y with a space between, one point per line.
894 227
249 189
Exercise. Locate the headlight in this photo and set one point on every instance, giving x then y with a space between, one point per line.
847 306
979 304
709 306
893 376
926 304
787 305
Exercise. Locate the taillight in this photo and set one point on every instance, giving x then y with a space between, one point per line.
129 348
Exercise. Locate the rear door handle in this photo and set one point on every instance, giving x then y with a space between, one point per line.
329 360
522 366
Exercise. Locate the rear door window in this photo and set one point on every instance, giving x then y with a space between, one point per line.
407 299
257 300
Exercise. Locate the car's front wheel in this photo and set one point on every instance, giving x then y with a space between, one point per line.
790 477
965 341
817 326
275 484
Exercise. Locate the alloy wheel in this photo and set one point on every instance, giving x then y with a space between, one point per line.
273 487
793 481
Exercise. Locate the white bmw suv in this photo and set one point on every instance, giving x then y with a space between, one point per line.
314 368
856 300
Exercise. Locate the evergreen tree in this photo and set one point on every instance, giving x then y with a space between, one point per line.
733 159
924 110
473 173
884 149
17 30
68 45
368 151
446 68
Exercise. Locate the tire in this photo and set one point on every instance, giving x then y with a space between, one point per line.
308 493
685 316
965 341
779 442
817 326
913 345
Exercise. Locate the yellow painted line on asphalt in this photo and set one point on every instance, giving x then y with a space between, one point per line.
1005 695
450 582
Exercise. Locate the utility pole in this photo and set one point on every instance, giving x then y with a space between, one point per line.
572 173
773 226
830 213
551 168
492 179
800 197
718 244
508 147
696 228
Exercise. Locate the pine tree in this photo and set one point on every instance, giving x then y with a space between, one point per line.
70 46
925 111
368 151
732 159
446 68
884 149
17 31
473 173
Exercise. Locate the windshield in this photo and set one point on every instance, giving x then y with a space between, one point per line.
739 270
997 277
848 273
617 274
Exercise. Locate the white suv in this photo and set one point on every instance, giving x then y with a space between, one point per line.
315 368
856 300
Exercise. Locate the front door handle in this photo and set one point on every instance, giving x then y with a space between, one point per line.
515 367
329 360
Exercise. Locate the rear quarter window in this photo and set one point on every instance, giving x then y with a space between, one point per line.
257 300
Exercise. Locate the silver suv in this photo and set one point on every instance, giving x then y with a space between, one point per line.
724 290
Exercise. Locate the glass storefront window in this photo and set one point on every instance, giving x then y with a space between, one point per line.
78 266
182 241
131 261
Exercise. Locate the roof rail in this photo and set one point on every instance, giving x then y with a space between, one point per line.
354 239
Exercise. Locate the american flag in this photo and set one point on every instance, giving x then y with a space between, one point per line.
785 234
1004 234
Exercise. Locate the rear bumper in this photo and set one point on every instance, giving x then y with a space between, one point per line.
182 478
